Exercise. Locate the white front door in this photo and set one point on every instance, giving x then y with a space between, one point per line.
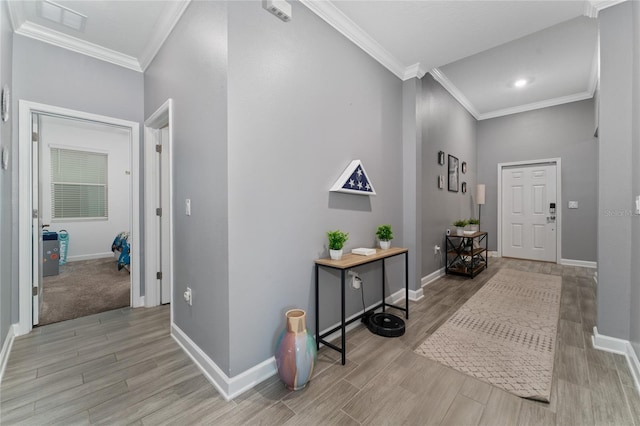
529 212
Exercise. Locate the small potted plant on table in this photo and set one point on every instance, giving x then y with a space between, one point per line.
473 224
385 235
336 243
460 224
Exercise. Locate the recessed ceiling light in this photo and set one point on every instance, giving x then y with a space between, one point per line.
521 82
62 15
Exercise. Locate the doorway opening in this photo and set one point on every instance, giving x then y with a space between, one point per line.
529 210
158 142
74 200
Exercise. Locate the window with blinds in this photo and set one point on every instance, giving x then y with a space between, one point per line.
78 184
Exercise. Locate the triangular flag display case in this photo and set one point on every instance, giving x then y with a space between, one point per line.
354 180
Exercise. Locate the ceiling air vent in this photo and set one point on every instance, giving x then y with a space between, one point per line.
279 8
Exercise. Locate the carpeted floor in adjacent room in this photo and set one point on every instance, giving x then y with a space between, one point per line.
84 288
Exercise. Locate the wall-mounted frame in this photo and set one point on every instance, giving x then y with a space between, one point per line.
441 158
464 187
464 167
454 173
441 182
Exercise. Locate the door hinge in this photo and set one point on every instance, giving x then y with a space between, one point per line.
158 149
158 275
34 292
34 214
35 137
159 211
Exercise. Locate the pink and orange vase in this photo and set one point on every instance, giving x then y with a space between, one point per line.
296 352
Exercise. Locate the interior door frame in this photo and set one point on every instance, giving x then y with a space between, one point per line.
558 164
25 256
162 117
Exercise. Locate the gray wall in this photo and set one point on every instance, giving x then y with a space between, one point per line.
303 102
54 76
564 131
6 230
615 171
448 127
191 68
635 236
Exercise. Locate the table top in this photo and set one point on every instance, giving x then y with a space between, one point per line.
474 235
349 260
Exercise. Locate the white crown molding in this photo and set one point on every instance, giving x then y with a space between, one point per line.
162 30
333 16
439 76
537 105
16 13
413 71
593 7
38 32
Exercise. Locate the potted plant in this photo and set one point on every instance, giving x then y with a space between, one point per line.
460 224
336 243
473 224
385 235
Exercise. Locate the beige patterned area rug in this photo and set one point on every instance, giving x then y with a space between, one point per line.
505 334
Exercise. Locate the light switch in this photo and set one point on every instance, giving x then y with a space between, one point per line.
637 204
187 206
573 204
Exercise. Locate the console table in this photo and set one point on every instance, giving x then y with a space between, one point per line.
349 261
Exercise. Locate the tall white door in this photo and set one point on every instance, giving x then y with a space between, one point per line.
36 222
529 212
164 231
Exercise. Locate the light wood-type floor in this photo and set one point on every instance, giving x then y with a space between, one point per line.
122 367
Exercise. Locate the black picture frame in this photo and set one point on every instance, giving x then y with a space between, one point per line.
454 173
441 158
464 167
464 187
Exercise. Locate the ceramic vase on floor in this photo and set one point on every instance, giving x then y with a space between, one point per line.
295 351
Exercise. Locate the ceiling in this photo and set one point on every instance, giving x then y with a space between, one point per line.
474 48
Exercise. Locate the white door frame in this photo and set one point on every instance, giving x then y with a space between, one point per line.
25 256
161 118
558 163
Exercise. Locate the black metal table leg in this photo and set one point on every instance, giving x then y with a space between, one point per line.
406 284
344 340
317 311
384 301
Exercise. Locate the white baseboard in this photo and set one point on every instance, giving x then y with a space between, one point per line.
582 263
619 346
6 350
229 387
432 277
139 303
90 256
493 254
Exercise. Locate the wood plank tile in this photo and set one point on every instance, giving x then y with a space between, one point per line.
572 365
533 414
570 333
476 390
633 402
502 409
463 411
575 406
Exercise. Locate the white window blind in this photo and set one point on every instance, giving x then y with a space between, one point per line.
78 184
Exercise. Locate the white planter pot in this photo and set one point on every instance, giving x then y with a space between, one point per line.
335 254
385 244
459 230
473 228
